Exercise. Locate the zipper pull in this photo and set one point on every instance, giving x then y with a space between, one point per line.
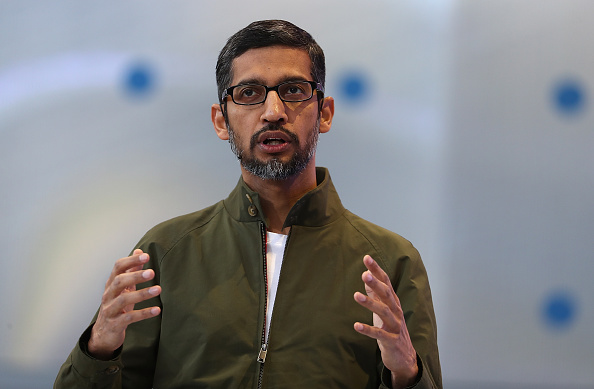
262 354
252 210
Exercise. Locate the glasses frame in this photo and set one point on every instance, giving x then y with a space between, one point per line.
315 86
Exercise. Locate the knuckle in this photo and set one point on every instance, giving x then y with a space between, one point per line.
122 299
118 267
117 281
109 308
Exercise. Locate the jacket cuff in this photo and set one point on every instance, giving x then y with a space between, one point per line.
422 382
97 371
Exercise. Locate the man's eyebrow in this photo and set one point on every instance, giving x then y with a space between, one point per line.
250 81
261 82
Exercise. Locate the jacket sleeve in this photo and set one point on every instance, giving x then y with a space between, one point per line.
133 365
424 380
83 371
410 282
138 356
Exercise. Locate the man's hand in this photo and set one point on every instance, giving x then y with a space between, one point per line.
117 305
389 328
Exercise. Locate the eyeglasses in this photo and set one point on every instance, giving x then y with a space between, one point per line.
290 91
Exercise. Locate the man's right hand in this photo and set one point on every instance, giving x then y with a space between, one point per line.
117 305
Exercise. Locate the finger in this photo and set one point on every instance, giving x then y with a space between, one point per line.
126 281
118 305
390 320
379 283
134 262
382 300
141 314
142 258
378 290
113 326
376 270
372 332
139 295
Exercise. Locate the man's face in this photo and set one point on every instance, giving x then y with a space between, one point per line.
275 139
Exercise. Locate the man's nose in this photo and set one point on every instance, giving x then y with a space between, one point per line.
274 108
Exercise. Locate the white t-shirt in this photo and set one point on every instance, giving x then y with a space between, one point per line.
275 249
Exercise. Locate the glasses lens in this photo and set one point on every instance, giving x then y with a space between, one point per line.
249 94
295 91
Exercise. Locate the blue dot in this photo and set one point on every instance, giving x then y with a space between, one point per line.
569 97
139 79
559 310
354 87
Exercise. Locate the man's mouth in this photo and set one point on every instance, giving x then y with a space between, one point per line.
272 138
273 141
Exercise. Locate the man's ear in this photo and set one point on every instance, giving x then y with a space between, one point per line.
219 122
326 114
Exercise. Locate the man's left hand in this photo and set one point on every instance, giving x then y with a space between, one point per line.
389 327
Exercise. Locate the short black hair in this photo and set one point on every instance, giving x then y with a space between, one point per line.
265 33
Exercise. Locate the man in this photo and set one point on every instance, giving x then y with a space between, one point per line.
262 290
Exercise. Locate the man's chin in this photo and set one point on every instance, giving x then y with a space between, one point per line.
270 160
273 169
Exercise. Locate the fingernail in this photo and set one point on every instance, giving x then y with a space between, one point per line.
154 310
143 257
154 290
361 297
146 274
367 276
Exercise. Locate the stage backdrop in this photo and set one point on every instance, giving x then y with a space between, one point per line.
465 126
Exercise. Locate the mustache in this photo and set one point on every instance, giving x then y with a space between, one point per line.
272 127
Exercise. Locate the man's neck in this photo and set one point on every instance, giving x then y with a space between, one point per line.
277 197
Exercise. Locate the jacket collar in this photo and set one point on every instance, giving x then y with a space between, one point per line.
318 207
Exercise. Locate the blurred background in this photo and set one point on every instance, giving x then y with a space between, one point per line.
465 126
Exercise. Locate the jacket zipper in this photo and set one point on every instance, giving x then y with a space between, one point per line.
264 349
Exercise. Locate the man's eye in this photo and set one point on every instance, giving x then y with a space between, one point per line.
247 92
294 89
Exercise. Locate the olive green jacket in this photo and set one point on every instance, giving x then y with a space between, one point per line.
211 267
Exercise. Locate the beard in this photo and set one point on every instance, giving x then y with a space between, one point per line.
275 169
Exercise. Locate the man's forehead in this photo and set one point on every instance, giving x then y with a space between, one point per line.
264 64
